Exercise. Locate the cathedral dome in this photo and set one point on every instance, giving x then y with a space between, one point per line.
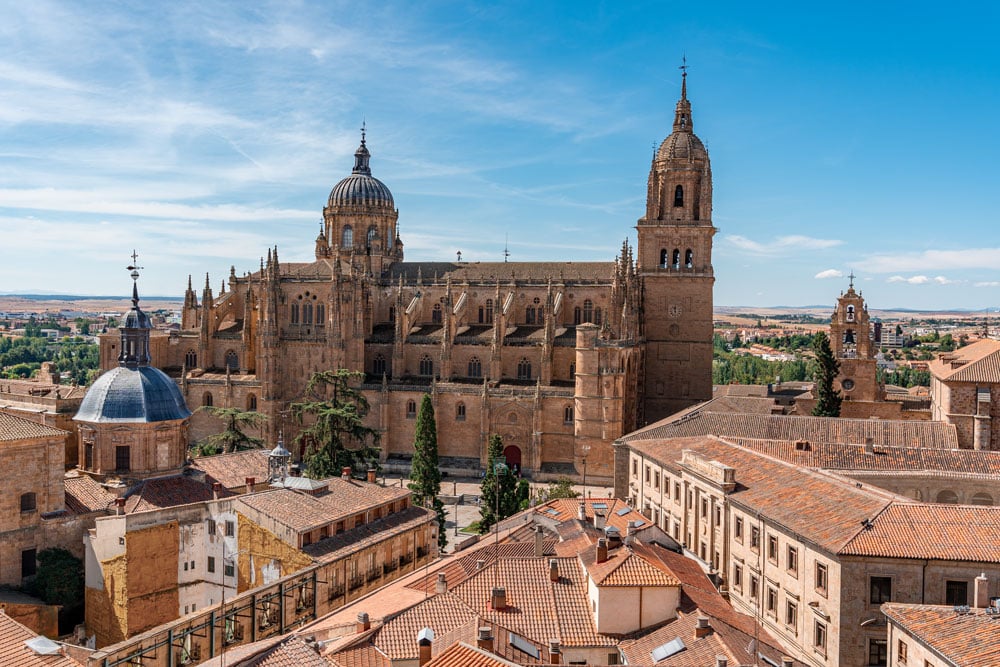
361 188
682 145
143 394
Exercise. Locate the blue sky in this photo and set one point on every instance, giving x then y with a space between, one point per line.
853 137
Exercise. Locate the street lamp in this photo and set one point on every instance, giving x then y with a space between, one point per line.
584 449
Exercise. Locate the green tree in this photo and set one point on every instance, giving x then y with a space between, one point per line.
827 398
498 495
561 488
232 439
336 435
59 578
425 471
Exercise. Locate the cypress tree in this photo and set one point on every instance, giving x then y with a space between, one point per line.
827 398
499 488
425 471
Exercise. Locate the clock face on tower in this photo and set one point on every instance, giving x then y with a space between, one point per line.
674 311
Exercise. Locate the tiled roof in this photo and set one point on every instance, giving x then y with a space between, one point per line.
17 428
967 640
459 569
442 613
625 569
84 495
360 537
293 652
502 647
901 433
833 456
154 494
978 362
565 510
931 531
302 512
461 654
362 656
822 509
490 272
13 651
231 470
698 652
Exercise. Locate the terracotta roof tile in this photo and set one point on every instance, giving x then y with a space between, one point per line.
978 362
362 656
617 512
85 495
14 652
397 638
459 569
157 494
360 537
18 428
461 654
967 640
292 652
625 569
231 470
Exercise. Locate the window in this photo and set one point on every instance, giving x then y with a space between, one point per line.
460 412
211 527
320 315
475 368
663 258
821 577
792 560
88 456
232 361
347 238
486 312
772 548
436 314
772 600
819 636
529 315
307 313
230 528
523 369
588 310
29 563
656 480
791 614
572 370
122 458
901 652
738 528
295 313
378 365
568 418
206 399
28 502
411 409
688 258
577 315
754 585
679 196
955 592
597 315
754 538
877 652
738 576
677 493
676 258
718 515
881 591
426 365
635 467
191 359
648 473
228 570
252 402
372 235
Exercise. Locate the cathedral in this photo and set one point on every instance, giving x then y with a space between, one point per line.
559 358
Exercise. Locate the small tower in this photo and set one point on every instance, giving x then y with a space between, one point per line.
851 342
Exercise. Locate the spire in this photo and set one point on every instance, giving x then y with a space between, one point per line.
682 114
135 328
362 156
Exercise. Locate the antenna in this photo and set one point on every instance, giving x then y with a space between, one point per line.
458 254
506 252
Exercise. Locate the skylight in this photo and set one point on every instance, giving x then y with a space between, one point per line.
523 645
623 511
664 651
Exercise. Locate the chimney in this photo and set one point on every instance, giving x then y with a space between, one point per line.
480 564
555 652
216 489
249 482
869 445
721 661
982 591
425 640
614 537
371 475
599 520
602 550
484 639
539 545
581 511
554 570
364 623
498 598
702 629
441 585
630 532
345 473
787 661
119 506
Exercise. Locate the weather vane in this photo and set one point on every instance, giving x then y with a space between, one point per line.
133 267
364 124
684 65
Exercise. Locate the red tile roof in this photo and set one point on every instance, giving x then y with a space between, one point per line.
292 652
978 362
461 654
233 469
14 428
154 494
967 640
85 495
14 652
361 537
624 568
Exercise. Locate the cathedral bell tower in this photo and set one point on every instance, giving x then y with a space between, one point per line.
851 342
675 265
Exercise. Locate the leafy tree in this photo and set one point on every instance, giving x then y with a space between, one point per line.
425 471
498 497
59 578
561 488
523 494
827 398
232 439
337 435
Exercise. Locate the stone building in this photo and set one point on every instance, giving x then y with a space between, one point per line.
44 400
965 391
851 341
559 358
943 636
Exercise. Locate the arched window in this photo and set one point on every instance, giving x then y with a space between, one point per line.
677 258
529 315
588 310
486 312
679 196
689 258
232 360
460 412
436 314
347 240
252 402
307 313
320 315
568 414
411 409
981 498
28 503
947 497
295 313
524 369
663 258
597 315
378 365
206 400
850 313
191 359
426 365
577 315
572 370
475 368
372 235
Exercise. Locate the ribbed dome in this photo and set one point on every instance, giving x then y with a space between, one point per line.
136 319
143 394
682 146
361 190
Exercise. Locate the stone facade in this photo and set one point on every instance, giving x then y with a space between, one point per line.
501 347
965 391
851 341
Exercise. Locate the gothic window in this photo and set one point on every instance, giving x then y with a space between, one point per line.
688 258
460 412
372 234
426 365
122 458
588 310
486 312
206 400
348 237
568 414
436 314
577 315
411 409
320 315
529 315
252 402
597 315
679 196
524 369
28 502
191 359
378 365
475 368
232 360
295 313
663 258
676 258
307 313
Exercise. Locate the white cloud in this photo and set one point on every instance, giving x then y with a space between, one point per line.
781 244
988 283
830 273
942 280
912 280
968 258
